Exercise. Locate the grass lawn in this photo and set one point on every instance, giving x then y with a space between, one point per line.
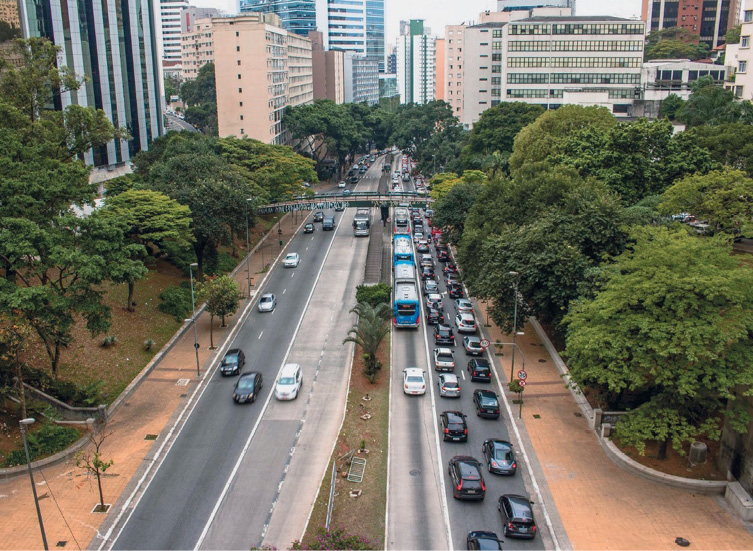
363 515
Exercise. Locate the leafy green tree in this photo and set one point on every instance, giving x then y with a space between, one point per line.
9 32
202 89
709 104
204 117
670 106
674 43
730 144
733 35
151 218
672 322
374 295
451 209
723 197
172 87
548 133
441 151
369 332
222 296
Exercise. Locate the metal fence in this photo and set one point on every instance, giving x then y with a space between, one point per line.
331 503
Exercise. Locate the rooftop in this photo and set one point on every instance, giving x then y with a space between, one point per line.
491 24
576 19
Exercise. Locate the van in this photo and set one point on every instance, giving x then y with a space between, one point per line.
328 224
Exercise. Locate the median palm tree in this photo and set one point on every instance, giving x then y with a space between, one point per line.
369 333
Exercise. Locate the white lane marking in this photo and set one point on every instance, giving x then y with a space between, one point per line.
260 334
247 445
283 291
292 275
463 374
307 248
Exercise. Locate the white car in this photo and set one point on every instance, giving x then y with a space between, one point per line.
465 323
342 184
444 359
414 381
291 260
267 303
289 382
448 385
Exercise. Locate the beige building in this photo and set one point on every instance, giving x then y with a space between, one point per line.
454 82
197 48
740 57
439 70
259 69
329 77
9 13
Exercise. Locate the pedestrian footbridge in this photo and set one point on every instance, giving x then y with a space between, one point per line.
333 200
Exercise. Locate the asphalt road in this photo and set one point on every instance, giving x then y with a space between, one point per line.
176 123
201 477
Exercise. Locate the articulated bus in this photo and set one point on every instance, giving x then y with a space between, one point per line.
407 309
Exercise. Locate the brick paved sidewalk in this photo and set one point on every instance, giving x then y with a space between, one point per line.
67 497
601 505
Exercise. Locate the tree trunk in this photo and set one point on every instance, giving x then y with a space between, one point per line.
21 390
56 360
99 484
131 285
211 333
223 324
663 445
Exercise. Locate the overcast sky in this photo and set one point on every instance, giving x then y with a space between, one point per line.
438 13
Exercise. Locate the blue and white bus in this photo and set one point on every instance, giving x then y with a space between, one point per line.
402 250
407 308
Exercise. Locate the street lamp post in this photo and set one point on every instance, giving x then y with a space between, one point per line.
23 423
514 324
248 253
193 308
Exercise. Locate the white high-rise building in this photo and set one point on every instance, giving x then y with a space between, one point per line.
343 24
170 22
416 64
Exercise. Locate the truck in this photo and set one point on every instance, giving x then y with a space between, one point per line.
362 222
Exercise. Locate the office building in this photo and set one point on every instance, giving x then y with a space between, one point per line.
9 13
391 66
375 32
479 86
197 48
416 63
260 69
170 11
296 16
515 5
551 61
439 80
329 69
115 44
189 16
388 86
711 19
740 57
343 24
361 79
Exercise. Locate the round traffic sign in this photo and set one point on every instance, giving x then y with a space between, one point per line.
484 343
522 382
522 375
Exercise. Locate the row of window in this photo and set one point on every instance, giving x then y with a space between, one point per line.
576 46
575 62
620 93
574 78
577 28
692 75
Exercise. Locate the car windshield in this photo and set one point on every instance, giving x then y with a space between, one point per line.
485 544
450 384
290 257
287 380
245 384
230 359
503 454
266 299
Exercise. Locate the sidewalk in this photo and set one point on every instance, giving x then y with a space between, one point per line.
66 496
601 505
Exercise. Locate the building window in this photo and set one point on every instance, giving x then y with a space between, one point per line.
748 16
240 90
237 33
237 48
239 62
241 117
742 66
242 132
241 104
744 41
239 76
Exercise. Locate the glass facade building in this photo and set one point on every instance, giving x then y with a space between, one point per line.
113 44
297 16
375 32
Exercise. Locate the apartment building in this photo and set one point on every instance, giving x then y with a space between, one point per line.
454 81
197 48
711 19
9 13
588 60
740 57
439 61
481 80
361 79
170 24
260 69
416 63
329 70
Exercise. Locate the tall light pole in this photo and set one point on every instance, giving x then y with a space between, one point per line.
514 324
248 252
23 423
193 307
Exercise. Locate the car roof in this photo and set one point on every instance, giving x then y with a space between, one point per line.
289 369
292 254
449 377
249 375
267 296
454 416
485 393
443 351
413 371
472 338
233 352
466 316
521 507
481 362
499 443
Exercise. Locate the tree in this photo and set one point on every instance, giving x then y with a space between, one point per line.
9 32
369 332
450 211
730 144
151 218
674 43
723 197
14 340
90 460
222 295
374 295
548 133
203 117
672 323
670 106
172 87
709 104
202 89
733 35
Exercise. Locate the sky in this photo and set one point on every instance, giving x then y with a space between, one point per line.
438 13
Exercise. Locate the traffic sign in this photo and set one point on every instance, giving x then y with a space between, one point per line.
522 382
522 375
484 343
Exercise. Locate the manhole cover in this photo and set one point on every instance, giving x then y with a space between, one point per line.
183 382
542 361
415 472
682 542
150 437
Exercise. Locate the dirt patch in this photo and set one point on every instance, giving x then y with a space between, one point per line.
362 515
676 464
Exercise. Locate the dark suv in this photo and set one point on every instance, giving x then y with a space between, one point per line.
480 370
444 335
466 477
517 516
487 404
454 427
233 362
318 216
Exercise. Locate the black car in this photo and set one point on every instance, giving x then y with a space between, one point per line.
434 317
450 269
308 228
427 272
487 404
353 179
500 457
444 335
233 362
478 539
443 256
517 516
454 428
247 387
318 216
480 370
466 477
455 290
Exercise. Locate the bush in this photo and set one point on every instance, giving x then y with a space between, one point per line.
65 391
374 295
148 344
337 539
179 256
222 263
48 440
109 340
176 301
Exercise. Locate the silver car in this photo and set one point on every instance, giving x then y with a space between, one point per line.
463 305
267 302
448 385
